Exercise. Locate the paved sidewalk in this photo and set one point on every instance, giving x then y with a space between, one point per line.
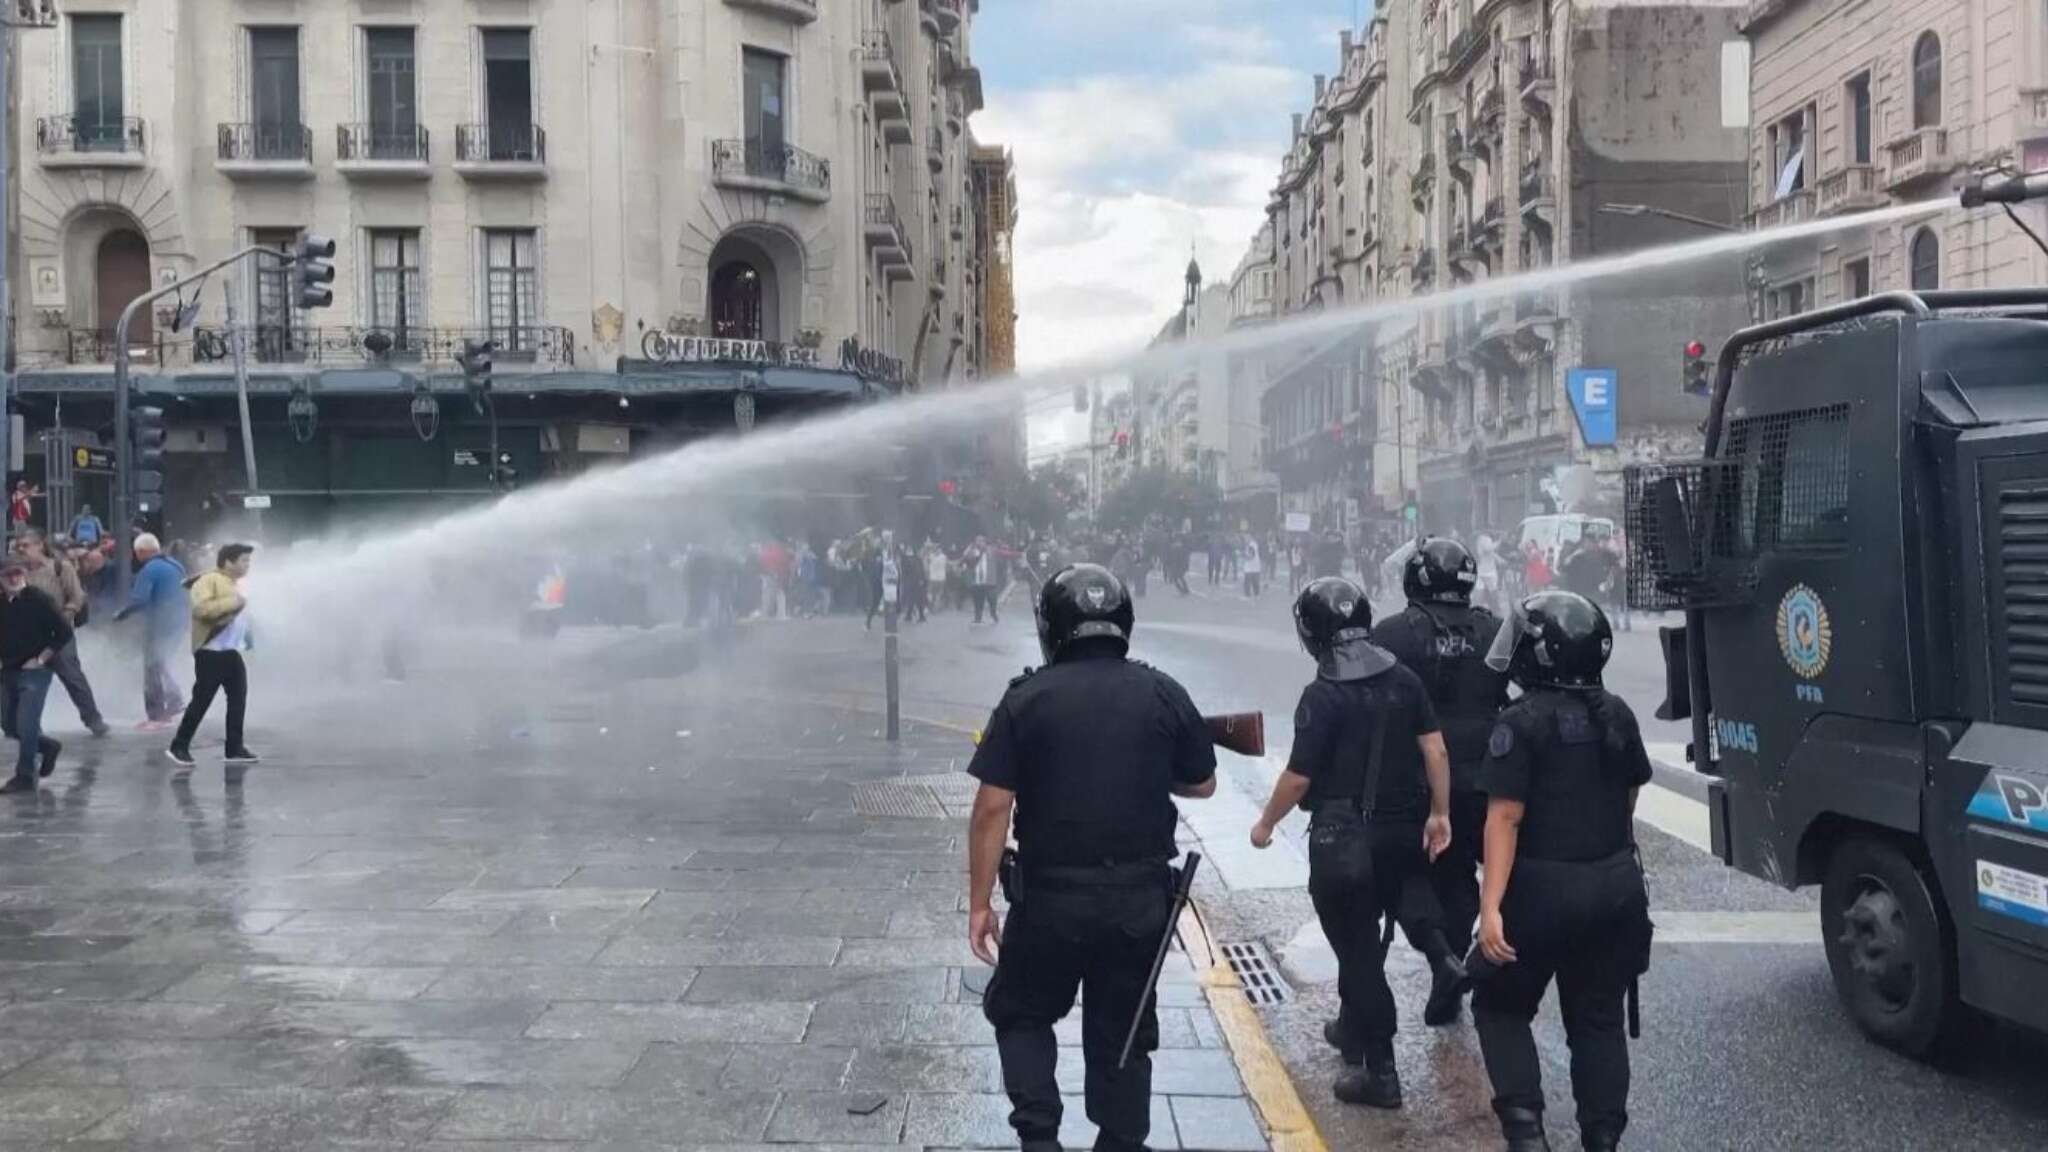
646 916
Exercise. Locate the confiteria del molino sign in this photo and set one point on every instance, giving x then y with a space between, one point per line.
669 348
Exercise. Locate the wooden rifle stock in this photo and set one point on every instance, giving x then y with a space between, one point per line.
1241 732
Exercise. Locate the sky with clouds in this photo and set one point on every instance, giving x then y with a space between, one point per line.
1139 127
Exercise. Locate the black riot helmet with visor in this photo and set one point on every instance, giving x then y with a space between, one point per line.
1083 602
1440 571
1554 639
1333 619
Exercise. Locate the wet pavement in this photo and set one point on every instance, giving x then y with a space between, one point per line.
644 913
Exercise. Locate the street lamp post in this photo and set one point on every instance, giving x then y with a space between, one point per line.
1668 214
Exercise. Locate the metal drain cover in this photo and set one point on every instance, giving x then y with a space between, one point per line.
897 798
1256 972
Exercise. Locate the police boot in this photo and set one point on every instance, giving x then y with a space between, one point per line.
1352 1052
1523 1130
1377 1085
1446 990
1595 1140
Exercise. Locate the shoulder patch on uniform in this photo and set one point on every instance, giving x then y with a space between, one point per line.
1302 716
1501 742
1027 674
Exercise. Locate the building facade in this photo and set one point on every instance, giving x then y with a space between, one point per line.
1250 490
672 218
1465 141
1893 103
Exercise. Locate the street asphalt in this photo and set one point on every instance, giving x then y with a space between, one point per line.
613 892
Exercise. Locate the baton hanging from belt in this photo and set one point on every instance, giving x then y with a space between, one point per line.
1182 887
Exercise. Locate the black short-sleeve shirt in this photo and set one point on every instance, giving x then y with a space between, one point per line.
1333 734
1572 775
1093 748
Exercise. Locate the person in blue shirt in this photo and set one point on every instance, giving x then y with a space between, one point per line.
159 594
87 529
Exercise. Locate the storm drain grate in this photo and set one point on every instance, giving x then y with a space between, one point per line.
1255 971
896 798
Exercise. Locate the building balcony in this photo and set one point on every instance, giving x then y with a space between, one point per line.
1458 155
264 150
956 113
377 151
794 11
1488 230
1425 267
938 282
1464 49
928 17
879 76
2031 121
1492 109
1539 196
74 142
1539 84
1794 208
1921 155
884 231
764 166
535 345
501 151
948 13
1850 189
935 151
1424 179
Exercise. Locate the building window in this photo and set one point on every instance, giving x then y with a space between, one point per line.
397 307
736 301
274 94
764 74
508 93
1927 81
279 334
97 106
1856 279
1789 299
393 80
1856 100
1925 260
512 289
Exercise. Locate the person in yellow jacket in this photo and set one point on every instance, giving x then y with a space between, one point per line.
220 631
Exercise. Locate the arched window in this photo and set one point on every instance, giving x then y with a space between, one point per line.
1927 81
1925 259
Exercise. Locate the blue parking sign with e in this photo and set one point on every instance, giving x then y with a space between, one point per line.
1592 393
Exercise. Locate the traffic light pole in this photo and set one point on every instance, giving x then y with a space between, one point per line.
124 527
238 345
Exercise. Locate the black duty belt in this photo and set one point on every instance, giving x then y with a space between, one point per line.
1130 870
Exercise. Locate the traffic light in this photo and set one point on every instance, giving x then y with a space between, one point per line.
313 271
1698 374
146 458
476 370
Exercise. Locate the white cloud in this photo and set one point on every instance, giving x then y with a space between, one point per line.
1117 175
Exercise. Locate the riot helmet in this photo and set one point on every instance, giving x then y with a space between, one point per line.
1083 602
1333 619
1439 571
1554 639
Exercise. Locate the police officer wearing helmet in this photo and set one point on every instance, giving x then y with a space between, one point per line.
1088 751
1444 640
1564 894
1369 764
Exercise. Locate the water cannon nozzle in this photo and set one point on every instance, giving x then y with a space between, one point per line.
1997 188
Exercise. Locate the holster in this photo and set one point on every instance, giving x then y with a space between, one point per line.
1011 877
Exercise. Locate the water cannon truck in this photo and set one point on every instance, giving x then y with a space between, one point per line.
1861 556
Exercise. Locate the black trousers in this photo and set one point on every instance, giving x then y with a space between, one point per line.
1097 938
1351 915
1455 873
213 672
984 594
1577 923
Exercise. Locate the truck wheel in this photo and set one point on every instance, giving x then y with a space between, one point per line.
1889 950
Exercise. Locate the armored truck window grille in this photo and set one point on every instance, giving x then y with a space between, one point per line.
2021 603
1795 483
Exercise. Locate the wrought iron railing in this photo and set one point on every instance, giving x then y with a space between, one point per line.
380 142
501 143
289 143
290 344
764 160
57 135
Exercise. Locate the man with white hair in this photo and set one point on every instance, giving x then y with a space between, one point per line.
159 594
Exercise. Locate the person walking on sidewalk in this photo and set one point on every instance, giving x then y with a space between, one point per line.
55 577
159 594
1088 753
220 631
32 632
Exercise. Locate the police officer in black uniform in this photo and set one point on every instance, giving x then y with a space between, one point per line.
1089 750
1443 639
1564 892
1369 850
